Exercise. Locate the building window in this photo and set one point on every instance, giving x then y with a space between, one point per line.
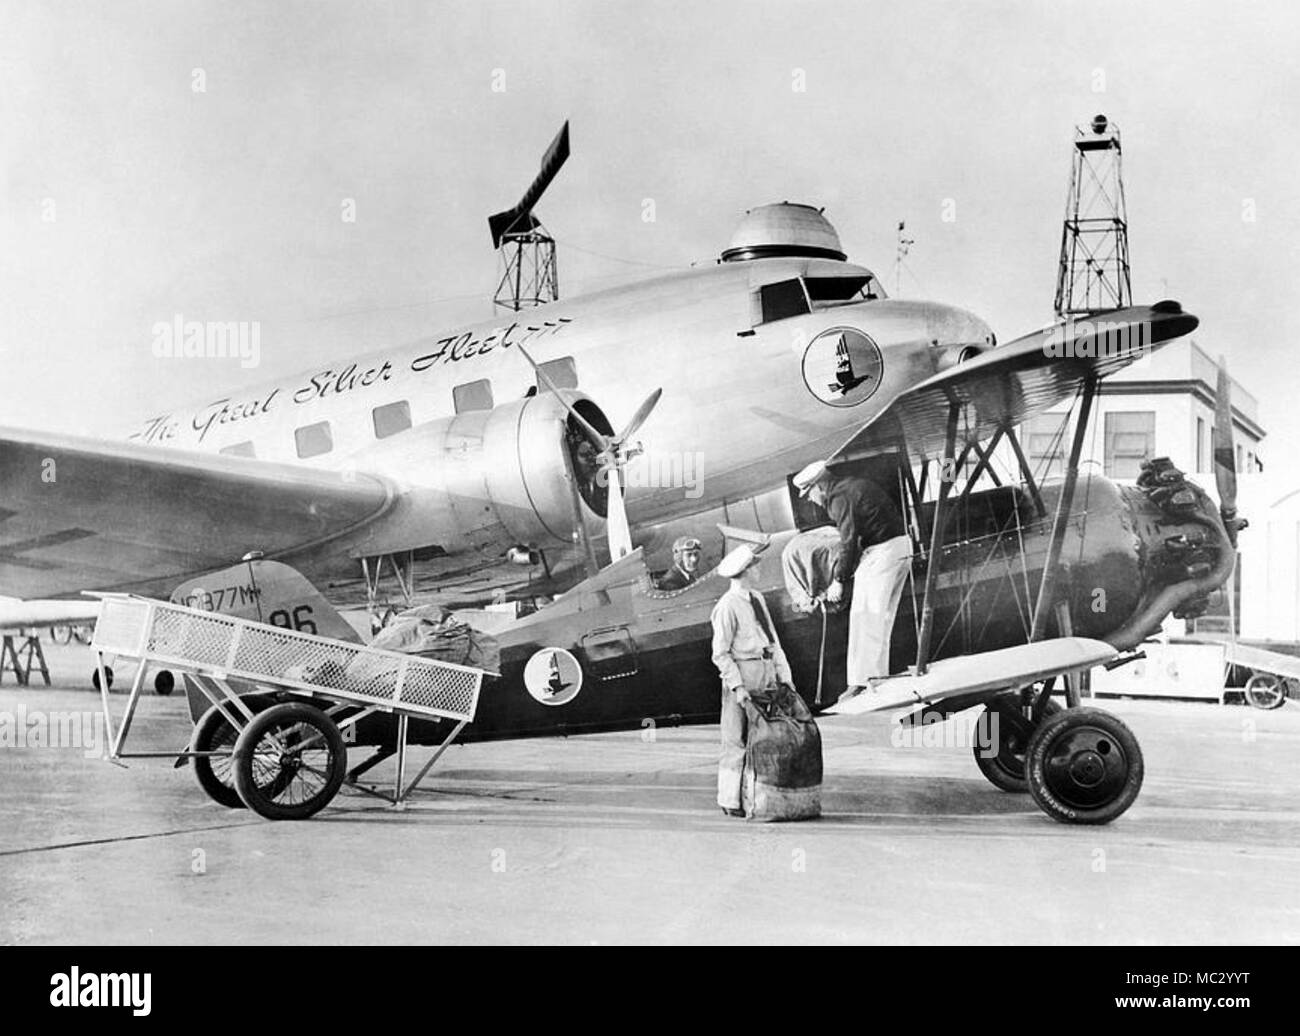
391 418
1200 445
1044 443
314 439
1130 439
473 395
562 372
239 449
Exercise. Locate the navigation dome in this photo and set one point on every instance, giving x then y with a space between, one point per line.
784 229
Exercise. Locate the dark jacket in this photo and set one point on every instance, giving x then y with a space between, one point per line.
865 515
675 579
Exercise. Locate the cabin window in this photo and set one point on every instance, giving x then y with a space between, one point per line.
314 439
1130 439
239 449
783 300
391 418
473 395
562 372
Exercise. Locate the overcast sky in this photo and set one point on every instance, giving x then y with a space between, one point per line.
128 195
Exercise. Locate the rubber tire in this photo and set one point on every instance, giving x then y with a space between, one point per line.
164 682
108 674
996 769
1114 733
278 716
1267 704
214 730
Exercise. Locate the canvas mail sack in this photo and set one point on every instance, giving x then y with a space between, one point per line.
782 778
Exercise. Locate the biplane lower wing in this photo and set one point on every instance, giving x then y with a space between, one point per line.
1009 383
991 671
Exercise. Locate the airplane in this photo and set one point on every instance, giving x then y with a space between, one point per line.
491 447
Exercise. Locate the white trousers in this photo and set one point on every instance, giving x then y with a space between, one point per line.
877 589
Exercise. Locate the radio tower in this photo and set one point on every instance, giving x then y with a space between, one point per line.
1094 269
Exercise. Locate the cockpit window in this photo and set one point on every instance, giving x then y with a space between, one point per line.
842 289
783 300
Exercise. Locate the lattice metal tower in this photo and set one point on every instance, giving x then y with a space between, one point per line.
1094 269
529 275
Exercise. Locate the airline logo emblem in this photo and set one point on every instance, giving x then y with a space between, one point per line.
842 367
553 676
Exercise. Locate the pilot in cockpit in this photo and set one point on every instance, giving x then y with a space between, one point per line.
686 565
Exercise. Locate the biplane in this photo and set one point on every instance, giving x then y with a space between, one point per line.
480 463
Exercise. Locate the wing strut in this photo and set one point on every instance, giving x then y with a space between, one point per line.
947 475
1060 523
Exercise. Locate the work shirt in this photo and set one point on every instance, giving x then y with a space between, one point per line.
865 515
739 640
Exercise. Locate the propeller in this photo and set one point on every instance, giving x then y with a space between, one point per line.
1225 455
612 454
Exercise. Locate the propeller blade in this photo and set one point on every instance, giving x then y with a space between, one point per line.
617 528
597 439
638 419
1225 451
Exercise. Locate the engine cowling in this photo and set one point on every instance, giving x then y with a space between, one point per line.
484 481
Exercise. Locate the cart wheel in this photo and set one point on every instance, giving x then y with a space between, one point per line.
108 674
164 682
1084 766
213 733
1005 767
1265 691
289 762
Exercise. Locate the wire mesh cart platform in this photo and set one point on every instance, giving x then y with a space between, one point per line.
284 760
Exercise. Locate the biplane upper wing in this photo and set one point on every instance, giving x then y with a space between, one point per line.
79 513
1014 381
991 671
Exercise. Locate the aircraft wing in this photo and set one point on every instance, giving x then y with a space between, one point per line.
1014 381
1001 670
79 513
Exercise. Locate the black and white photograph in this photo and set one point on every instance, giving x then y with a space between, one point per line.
577 474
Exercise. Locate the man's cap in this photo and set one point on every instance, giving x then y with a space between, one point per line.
743 557
809 476
685 543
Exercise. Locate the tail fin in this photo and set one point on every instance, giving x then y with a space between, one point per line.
269 592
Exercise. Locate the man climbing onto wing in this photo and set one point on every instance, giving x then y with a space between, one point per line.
875 553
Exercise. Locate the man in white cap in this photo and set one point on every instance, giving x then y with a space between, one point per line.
875 553
749 658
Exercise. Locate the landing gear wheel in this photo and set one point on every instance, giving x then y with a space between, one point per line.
1005 769
289 762
1265 691
164 682
108 675
61 634
1084 766
213 733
